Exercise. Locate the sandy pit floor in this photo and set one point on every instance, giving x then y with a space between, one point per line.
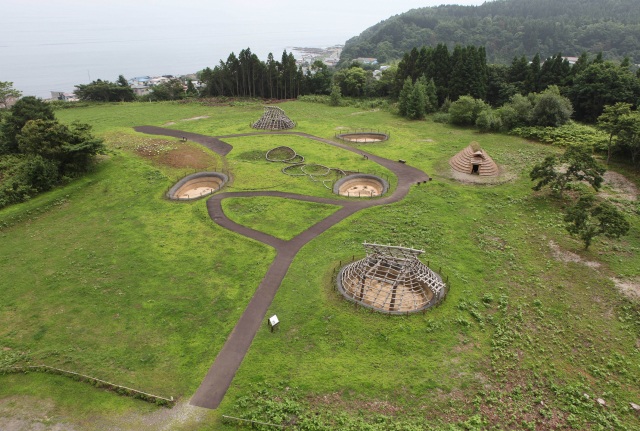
198 191
360 191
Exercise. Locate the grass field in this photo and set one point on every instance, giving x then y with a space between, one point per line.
106 277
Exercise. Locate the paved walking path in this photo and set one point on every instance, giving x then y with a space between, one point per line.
218 379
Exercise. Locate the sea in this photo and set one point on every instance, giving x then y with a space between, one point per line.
40 59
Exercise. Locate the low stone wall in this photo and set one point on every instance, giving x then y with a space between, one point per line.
199 184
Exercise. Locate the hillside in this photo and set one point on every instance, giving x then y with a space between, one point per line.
509 28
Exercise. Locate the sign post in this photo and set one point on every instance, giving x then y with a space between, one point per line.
273 322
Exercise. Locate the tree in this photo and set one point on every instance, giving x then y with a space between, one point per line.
551 109
465 110
417 102
589 218
489 121
405 96
318 78
352 81
517 112
575 165
191 89
172 89
7 92
599 85
629 135
105 91
122 81
611 122
335 96
26 109
72 148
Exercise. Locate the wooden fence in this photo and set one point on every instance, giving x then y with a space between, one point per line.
98 383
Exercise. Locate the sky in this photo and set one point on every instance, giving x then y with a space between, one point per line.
46 44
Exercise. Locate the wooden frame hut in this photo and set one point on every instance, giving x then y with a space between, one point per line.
274 118
392 280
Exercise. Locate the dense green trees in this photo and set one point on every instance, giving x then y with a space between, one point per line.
509 29
602 83
247 76
105 91
38 152
26 109
173 89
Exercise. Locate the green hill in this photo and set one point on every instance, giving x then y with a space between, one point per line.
509 28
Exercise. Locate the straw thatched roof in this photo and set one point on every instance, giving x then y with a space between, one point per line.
474 160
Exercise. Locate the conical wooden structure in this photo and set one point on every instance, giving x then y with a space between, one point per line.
474 160
274 118
392 280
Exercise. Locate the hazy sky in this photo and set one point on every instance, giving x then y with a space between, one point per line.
70 41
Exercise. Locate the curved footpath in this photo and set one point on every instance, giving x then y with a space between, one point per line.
219 377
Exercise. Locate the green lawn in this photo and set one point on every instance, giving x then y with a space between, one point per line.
106 277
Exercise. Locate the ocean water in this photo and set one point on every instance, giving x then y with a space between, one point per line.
41 62
54 50
53 45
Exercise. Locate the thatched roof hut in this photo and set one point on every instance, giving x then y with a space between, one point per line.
474 160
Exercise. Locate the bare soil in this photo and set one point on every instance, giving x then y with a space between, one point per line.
620 186
176 155
629 288
568 256
504 177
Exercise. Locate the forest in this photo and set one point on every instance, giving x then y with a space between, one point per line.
509 28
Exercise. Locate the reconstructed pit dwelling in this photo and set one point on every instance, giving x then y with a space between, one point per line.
392 280
361 186
364 137
197 185
475 161
274 118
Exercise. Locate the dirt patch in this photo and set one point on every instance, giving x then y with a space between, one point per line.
629 288
175 155
202 117
21 413
620 186
187 157
503 177
568 256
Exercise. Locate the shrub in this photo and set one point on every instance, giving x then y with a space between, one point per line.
465 110
489 121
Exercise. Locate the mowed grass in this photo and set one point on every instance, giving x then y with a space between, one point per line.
109 278
116 282
282 218
251 170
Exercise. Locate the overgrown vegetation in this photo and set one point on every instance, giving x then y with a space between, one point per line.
37 152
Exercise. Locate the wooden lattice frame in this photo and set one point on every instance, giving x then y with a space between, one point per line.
391 279
274 118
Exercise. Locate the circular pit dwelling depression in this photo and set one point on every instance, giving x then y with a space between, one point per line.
361 186
197 185
368 137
